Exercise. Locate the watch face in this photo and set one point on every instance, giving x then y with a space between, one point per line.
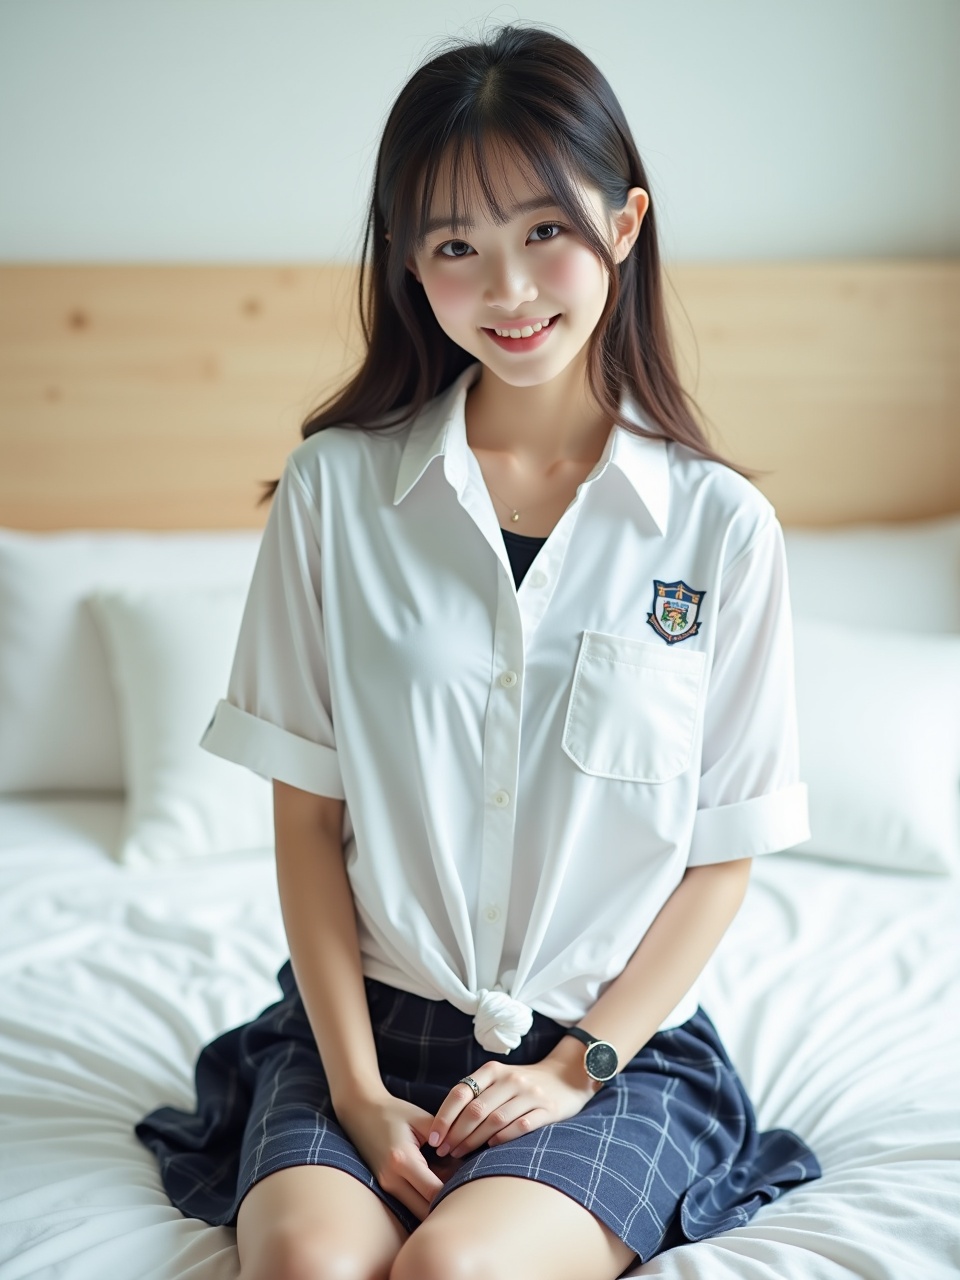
601 1060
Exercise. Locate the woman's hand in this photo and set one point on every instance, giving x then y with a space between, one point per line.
389 1133
513 1100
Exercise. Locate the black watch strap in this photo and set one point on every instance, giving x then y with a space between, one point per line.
583 1036
600 1062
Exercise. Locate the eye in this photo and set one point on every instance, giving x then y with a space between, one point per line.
552 226
438 252
541 226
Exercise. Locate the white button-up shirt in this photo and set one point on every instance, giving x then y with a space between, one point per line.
527 772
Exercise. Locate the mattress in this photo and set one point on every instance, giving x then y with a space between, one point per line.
836 991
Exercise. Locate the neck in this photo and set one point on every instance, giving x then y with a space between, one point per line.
539 425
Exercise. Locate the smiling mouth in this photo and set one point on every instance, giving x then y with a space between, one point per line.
518 327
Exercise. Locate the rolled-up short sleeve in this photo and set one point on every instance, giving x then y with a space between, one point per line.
276 717
751 799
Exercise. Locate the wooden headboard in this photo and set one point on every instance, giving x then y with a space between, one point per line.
158 397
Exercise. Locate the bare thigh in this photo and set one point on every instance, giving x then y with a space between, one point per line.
502 1227
311 1222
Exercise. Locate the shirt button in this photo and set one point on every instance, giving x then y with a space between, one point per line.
501 799
492 913
538 578
508 679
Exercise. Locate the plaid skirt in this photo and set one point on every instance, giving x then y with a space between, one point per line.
666 1152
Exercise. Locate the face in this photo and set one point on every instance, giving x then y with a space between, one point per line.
533 269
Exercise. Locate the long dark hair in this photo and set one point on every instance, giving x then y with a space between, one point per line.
548 104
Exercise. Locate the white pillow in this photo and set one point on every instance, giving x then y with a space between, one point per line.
881 569
58 719
879 724
170 655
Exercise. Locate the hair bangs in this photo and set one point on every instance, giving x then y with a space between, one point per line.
473 165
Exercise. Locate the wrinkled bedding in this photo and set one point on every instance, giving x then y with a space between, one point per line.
836 990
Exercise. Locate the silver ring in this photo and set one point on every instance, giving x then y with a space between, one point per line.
473 1085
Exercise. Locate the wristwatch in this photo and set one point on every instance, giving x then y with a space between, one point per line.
600 1060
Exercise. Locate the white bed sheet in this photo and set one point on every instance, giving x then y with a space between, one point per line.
836 991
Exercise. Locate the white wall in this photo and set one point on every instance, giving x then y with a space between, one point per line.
245 130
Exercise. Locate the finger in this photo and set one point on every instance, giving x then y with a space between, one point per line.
424 1182
481 1117
411 1199
525 1123
413 1183
421 1177
518 1115
460 1096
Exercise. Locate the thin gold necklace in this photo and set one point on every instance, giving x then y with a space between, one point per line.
514 513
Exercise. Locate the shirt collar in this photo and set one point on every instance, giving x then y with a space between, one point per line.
441 431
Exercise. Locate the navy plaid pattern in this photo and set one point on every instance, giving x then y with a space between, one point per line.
666 1152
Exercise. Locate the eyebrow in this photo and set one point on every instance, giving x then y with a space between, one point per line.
525 206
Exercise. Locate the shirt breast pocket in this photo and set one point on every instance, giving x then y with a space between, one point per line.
633 708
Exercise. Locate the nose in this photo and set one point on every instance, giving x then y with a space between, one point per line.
508 283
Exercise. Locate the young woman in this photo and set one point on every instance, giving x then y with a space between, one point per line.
517 655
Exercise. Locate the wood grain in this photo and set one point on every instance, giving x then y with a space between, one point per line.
159 397
838 379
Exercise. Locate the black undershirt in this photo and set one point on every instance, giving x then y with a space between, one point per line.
522 550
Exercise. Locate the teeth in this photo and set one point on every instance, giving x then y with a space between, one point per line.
526 332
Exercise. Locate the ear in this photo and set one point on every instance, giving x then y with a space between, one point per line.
409 263
627 222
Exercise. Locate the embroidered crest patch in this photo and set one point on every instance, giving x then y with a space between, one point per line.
675 609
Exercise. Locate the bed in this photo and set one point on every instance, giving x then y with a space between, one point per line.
138 908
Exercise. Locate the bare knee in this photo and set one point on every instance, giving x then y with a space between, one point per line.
435 1254
500 1228
315 1224
293 1252
296 1253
